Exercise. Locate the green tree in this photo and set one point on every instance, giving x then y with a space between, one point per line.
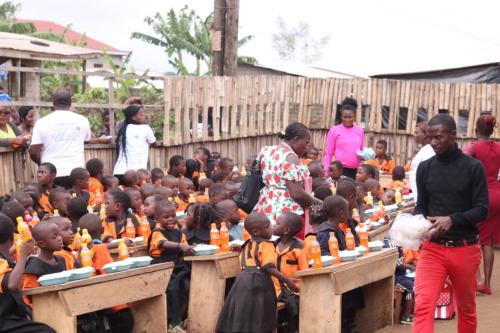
181 34
8 10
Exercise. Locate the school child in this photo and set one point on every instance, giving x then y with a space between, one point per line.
230 214
79 178
24 199
117 214
251 303
45 176
365 172
168 244
382 161
110 182
198 222
135 202
59 199
335 172
361 192
76 209
398 179
336 210
219 177
147 190
202 194
291 258
389 197
166 193
64 226
129 179
143 177
156 176
226 166
347 190
171 182
315 169
12 209
177 166
150 209
217 193
232 187
311 155
373 186
35 191
95 168
119 317
186 190
14 314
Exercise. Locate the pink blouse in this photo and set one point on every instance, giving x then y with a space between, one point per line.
343 143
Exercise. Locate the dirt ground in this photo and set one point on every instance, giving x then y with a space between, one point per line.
488 308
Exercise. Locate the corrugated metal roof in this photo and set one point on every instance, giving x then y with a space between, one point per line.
27 47
302 69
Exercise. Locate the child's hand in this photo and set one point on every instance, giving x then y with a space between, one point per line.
291 284
129 242
186 248
27 248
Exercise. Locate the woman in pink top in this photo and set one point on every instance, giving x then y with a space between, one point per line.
344 140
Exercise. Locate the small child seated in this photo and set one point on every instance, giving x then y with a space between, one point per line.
117 216
219 177
135 202
382 161
14 316
171 182
147 190
291 258
398 179
315 169
226 166
79 178
177 166
202 195
156 176
231 215
373 186
24 199
168 244
95 168
335 172
110 182
365 172
45 176
251 304
150 208
59 199
64 226
76 209
347 190
186 190
217 193
197 224
389 197
143 177
130 179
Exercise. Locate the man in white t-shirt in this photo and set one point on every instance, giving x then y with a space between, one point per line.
59 138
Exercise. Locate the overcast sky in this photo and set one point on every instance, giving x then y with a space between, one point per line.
366 36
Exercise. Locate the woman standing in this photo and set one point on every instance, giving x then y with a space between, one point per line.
488 152
344 140
423 154
10 135
283 175
133 141
27 119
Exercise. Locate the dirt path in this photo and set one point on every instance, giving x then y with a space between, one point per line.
488 311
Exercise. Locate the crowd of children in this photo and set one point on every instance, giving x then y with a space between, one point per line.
174 210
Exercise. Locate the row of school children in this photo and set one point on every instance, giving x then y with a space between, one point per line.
155 198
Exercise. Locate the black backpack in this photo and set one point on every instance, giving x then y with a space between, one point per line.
249 192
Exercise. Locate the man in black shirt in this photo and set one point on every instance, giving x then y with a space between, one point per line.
453 195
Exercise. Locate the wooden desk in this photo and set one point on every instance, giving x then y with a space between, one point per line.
207 289
135 251
322 289
143 289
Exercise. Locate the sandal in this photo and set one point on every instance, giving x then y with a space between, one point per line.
483 290
407 320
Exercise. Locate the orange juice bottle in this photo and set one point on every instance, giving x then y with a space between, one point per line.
86 238
381 208
333 189
355 215
35 220
398 197
130 229
224 237
243 171
214 235
363 238
349 240
316 254
122 249
86 256
202 176
56 212
23 229
246 234
77 239
98 197
145 229
192 198
369 199
90 210
333 245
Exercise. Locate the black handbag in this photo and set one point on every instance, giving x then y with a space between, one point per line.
249 192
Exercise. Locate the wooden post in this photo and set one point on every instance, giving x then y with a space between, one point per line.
111 98
218 37
231 37
84 77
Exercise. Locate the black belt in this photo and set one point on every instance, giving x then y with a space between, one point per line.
455 243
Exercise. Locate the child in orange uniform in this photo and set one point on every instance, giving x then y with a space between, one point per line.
45 176
398 179
95 168
117 213
186 189
251 303
217 193
59 199
382 160
291 258
80 184
64 226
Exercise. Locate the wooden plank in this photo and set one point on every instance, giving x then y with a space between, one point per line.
207 86
226 93
167 101
378 310
217 105
244 100
289 84
48 309
234 111
214 257
147 314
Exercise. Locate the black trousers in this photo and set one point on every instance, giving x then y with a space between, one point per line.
351 173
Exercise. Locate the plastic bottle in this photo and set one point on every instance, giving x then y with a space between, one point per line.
90 210
23 229
224 238
145 229
122 249
214 235
86 255
398 197
56 212
316 254
35 219
102 212
77 239
98 197
363 238
243 171
349 240
333 245
369 199
333 189
192 198
130 229
86 238
28 218
381 208
73 195
355 215
202 176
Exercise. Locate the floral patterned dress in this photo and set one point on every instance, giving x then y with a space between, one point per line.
274 197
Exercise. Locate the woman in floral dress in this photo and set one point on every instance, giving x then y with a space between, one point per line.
283 175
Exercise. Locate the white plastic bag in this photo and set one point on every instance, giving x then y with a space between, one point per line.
407 230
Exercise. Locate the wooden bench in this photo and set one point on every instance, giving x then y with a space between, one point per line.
207 289
143 289
398 303
322 289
